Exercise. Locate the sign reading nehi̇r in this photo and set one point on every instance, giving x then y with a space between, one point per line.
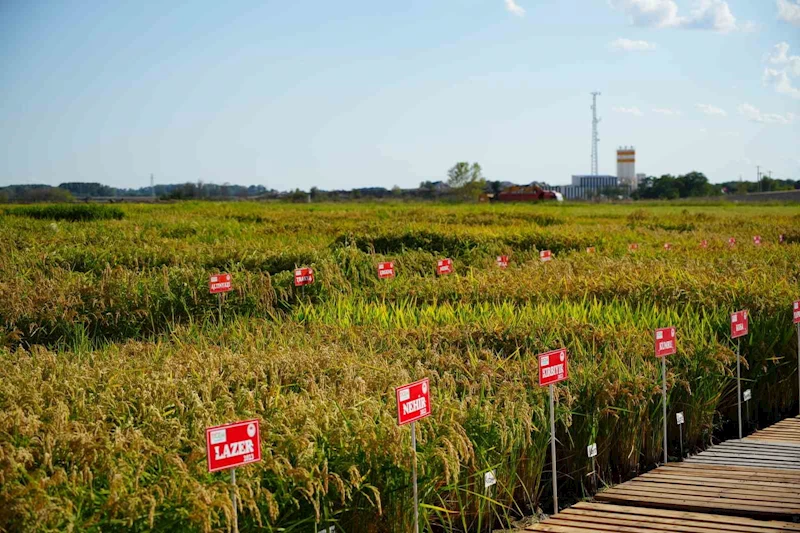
232 445
413 401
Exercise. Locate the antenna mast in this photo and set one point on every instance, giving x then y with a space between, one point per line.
595 138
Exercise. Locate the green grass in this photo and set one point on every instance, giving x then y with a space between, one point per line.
70 212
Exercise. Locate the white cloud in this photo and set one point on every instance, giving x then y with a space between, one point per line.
627 45
753 113
628 110
666 111
788 66
513 7
711 110
789 11
713 15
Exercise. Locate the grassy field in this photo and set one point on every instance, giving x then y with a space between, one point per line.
113 359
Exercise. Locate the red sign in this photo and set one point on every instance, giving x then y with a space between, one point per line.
232 445
553 367
633 246
590 250
732 242
739 324
444 266
545 255
413 401
781 238
756 239
796 312
704 244
665 342
303 276
667 246
219 283
386 270
502 261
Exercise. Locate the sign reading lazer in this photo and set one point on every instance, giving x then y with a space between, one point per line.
232 445
665 342
219 283
413 401
739 324
553 367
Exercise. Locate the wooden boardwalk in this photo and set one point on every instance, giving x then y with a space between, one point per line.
749 485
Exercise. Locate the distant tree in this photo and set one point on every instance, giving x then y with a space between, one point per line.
468 181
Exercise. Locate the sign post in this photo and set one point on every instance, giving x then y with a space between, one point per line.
552 369
413 403
679 418
303 276
591 451
739 328
796 320
747 394
232 445
664 346
219 284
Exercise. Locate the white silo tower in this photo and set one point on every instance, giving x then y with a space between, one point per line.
626 166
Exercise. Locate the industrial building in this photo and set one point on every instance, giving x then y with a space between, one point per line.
626 167
586 186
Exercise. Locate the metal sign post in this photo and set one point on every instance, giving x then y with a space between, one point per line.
414 475
747 394
220 295
679 418
552 369
664 346
553 449
796 320
233 499
739 328
798 354
414 403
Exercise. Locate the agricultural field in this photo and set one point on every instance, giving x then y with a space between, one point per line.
114 357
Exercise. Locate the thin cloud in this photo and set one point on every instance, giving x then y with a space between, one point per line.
753 113
711 110
666 111
628 110
785 67
789 11
715 15
513 7
628 45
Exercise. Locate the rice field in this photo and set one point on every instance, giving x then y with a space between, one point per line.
114 358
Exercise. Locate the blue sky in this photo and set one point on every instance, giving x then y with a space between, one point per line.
360 93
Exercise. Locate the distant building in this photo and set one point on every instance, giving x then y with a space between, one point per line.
626 167
586 186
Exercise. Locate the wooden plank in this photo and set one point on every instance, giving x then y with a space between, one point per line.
585 517
787 431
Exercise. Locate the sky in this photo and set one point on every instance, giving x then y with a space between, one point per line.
377 93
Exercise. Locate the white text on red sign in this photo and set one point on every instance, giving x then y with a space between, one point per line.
219 283
739 324
413 401
233 445
386 270
545 255
444 266
665 342
553 367
502 261
796 312
303 276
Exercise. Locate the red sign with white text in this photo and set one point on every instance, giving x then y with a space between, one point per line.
756 239
633 246
781 238
665 342
667 246
739 324
444 266
704 244
232 445
732 242
219 283
590 250
413 401
553 367
545 255
796 312
303 276
386 270
502 261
